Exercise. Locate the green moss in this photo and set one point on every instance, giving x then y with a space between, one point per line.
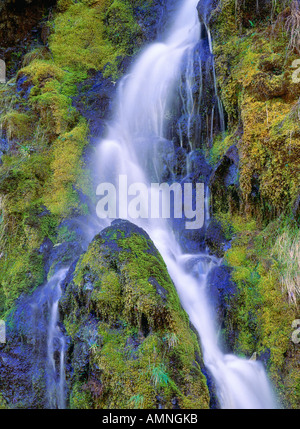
260 99
80 399
60 194
43 168
78 38
21 272
91 35
262 312
3 404
120 26
17 126
41 71
220 145
145 345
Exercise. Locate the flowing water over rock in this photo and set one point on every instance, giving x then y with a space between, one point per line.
33 362
147 120
56 343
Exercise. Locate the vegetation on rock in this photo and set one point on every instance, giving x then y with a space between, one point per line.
44 136
255 47
133 346
143 351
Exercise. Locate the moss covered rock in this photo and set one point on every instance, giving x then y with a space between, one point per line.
259 211
254 66
132 345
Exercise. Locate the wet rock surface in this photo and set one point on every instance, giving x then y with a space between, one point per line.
222 292
224 182
215 239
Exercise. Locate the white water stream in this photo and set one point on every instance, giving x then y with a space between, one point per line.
55 366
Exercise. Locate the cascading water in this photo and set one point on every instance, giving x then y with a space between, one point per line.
55 367
49 340
141 125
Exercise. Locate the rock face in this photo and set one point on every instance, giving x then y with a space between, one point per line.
17 18
224 182
215 238
20 25
222 293
130 341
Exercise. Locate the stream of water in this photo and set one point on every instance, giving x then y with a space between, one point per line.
55 365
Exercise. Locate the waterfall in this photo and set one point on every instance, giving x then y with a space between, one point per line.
56 383
55 342
140 128
51 346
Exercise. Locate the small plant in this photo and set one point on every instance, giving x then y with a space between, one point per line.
287 254
136 401
159 376
93 347
171 339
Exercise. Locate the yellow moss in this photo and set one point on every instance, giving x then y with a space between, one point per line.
236 256
136 366
78 38
276 318
40 71
60 195
18 125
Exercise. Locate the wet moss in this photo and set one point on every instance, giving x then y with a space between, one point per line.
145 347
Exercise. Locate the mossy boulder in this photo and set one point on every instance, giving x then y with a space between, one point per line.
131 342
